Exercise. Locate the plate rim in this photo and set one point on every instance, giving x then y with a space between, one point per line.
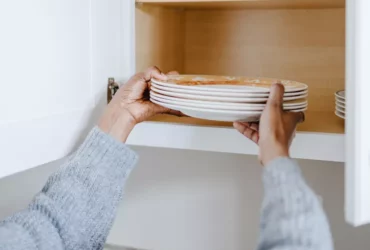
257 89
225 99
341 105
224 93
179 107
223 107
223 103
339 115
339 96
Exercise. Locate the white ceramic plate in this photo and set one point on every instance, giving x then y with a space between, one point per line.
228 83
221 98
341 94
217 115
293 103
340 104
225 93
341 110
339 114
339 100
247 107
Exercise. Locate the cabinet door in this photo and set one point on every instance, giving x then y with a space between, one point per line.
56 57
357 112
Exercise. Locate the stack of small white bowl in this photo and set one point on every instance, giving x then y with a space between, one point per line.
340 104
224 98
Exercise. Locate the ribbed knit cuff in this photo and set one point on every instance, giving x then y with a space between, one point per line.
100 147
281 171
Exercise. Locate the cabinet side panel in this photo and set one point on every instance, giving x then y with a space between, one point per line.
358 116
160 37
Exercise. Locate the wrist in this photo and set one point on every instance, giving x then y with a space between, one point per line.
119 126
271 155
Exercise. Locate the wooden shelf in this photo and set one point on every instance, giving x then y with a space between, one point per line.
184 135
252 4
298 40
323 122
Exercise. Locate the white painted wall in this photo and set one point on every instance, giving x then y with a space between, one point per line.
181 200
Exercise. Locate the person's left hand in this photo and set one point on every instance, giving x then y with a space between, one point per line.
131 105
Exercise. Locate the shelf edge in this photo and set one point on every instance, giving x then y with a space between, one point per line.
306 145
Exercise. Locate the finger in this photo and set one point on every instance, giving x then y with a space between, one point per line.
254 126
154 72
175 113
297 117
174 72
275 99
247 131
157 109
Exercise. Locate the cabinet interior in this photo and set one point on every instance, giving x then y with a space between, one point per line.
287 39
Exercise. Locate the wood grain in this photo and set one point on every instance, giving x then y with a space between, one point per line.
301 45
306 45
251 4
159 38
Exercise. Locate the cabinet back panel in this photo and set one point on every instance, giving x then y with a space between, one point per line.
301 45
306 45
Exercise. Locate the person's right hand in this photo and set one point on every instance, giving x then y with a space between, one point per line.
276 128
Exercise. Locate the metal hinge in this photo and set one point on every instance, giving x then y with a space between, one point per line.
112 88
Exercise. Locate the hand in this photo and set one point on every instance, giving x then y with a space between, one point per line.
276 128
131 105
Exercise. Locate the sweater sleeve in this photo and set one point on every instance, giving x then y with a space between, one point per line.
292 216
77 206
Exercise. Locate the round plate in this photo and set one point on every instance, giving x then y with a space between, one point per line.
341 94
341 110
228 83
339 114
218 93
221 98
248 107
340 104
297 102
217 115
339 100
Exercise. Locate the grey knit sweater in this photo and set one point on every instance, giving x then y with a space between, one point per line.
78 204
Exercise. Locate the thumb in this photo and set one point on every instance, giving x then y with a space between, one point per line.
275 99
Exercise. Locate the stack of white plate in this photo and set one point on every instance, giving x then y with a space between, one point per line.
340 104
224 98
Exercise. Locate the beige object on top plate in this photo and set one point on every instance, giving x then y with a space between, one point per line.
228 83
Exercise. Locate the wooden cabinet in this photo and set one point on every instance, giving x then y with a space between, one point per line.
57 57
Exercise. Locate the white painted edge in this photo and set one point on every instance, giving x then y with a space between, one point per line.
31 143
357 170
312 146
